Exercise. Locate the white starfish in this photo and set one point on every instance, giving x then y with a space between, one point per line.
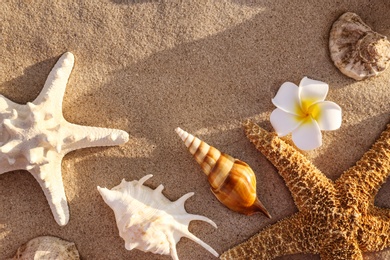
35 137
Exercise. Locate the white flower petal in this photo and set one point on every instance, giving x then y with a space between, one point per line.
287 99
327 114
308 135
312 91
283 122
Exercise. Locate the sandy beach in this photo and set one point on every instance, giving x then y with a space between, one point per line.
149 66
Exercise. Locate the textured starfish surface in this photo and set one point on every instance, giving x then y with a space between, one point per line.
35 137
337 220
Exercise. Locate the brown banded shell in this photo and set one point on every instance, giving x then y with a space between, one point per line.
47 247
232 181
356 49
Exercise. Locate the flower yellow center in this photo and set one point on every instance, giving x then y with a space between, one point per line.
314 111
308 108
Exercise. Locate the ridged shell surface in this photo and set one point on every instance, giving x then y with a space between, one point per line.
47 247
356 49
148 221
232 181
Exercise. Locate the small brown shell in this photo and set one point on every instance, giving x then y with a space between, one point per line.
232 181
356 49
47 247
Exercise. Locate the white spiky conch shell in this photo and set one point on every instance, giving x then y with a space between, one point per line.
148 221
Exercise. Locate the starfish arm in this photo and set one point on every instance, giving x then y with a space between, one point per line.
375 230
363 180
49 178
89 136
288 236
308 186
340 249
55 84
8 106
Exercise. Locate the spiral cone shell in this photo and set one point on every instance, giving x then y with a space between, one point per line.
232 181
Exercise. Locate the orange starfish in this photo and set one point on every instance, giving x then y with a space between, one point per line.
337 220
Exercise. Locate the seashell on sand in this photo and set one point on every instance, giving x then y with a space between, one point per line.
148 221
232 181
356 49
47 247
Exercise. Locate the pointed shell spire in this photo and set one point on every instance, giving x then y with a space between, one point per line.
232 181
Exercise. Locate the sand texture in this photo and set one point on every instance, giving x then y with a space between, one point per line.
149 66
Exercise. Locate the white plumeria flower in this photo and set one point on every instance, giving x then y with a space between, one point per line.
303 112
